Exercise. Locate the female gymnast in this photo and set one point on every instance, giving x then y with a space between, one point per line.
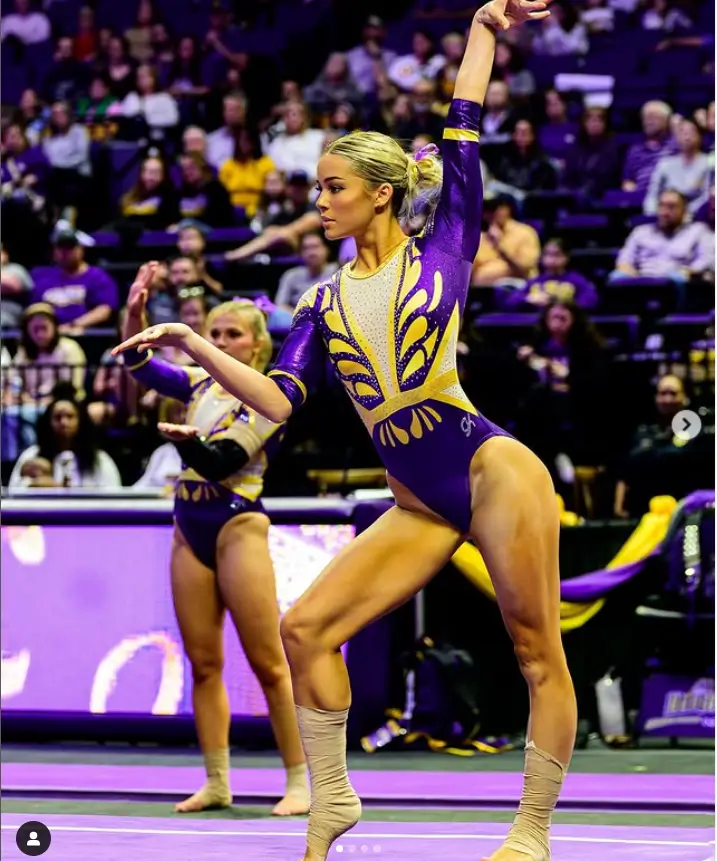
389 322
220 554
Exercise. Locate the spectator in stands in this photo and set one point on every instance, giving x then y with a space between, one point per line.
194 139
562 34
25 170
201 196
592 164
556 282
163 50
152 203
333 86
244 174
298 147
222 142
284 228
32 116
523 165
672 247
185 76
509 67
453 46
165 464
86 41
567 358
120 68
68 78
66 440
180 276
139 37
95 109
365 57
558 134
424 117
508 248
192 310
642 158
27 26
688 172
665 15
343 120
706 213
424 62
66 146
83 296
657 462
497 119
705 119
44 358
191 242
156 111
316 267
271 201
598 16
15 289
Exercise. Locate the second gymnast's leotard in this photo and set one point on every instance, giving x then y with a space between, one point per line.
392 335
203 506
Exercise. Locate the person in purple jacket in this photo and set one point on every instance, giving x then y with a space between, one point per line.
83 296
556 282
389 323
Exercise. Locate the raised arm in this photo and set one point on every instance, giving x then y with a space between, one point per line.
457 221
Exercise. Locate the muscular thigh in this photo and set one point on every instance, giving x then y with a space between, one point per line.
248 586
515 524
197 603
378 571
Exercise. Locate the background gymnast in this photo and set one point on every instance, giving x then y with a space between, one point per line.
220 551
389 322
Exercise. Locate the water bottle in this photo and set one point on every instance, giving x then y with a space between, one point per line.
611 711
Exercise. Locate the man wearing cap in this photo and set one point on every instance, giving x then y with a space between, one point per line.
83 296
365 59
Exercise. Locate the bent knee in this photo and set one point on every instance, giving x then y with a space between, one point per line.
299 632
269 672
205 663
539 656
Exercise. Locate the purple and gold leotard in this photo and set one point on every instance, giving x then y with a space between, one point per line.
391 337
202 507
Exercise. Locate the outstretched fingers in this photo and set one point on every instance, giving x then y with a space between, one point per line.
139 342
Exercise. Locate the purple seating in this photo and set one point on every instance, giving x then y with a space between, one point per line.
680 329
652 296
621 330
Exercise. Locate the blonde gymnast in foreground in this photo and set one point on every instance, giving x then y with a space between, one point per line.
389 323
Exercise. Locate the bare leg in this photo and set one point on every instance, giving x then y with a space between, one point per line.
516 527
379 571
248 589
200 615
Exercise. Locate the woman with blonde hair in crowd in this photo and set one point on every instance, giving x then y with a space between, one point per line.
220 554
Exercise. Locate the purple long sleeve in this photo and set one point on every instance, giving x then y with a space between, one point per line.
458 216
301 360
171 381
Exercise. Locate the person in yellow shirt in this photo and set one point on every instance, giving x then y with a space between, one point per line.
244 175
508 248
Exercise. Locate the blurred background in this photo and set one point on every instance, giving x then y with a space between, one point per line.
188 132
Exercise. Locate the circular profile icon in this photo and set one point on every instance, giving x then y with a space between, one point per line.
33 838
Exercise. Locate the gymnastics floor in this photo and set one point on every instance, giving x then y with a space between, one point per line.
115 804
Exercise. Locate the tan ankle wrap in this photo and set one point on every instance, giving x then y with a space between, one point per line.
541 787
335 807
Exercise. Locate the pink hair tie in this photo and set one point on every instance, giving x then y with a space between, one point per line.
428 149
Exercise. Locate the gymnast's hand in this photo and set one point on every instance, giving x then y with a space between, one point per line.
177 433
164 335
504 14
139 291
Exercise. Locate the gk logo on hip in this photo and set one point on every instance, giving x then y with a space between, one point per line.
467 425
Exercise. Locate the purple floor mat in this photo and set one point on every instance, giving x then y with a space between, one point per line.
110 838
605 790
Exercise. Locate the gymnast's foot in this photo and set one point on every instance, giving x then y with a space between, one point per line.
292 804
209 797
333 821
507 854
